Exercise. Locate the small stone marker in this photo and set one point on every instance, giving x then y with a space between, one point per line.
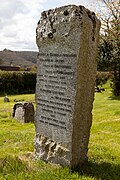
6 99
67 39
23 112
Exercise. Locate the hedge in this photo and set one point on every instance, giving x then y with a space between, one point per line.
17 82
20 82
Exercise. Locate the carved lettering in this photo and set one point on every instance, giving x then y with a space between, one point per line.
51 123
51 91
57 55
53 84
53 102
54 107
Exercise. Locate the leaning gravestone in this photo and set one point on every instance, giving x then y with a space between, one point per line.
23 112
67 39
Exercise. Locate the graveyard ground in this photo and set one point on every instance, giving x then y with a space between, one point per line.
16 144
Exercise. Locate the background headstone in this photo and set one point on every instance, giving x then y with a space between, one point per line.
23 112
67 39
6 99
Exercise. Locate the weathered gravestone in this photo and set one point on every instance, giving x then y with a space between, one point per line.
23 112
67 39
6 99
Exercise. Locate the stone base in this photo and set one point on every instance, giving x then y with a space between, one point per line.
51 151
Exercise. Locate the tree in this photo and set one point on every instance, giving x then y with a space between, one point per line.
110 40
104 55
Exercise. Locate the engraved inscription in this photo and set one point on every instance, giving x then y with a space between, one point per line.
55 79
57 55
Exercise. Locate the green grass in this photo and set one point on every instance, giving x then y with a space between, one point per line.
16 144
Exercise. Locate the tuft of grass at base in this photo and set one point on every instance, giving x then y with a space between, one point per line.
17 147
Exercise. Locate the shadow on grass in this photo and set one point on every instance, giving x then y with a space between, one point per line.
102 171
114 97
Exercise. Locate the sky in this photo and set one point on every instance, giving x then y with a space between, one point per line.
18 21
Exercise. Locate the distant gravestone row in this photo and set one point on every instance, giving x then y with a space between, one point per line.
67 38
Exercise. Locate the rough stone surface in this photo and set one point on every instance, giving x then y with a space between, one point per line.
23 112
67 39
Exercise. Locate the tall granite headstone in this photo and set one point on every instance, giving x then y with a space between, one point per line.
67 39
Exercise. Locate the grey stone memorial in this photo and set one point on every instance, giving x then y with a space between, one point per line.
67 39
23 112
6 99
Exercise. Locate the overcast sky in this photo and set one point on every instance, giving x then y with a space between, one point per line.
18 20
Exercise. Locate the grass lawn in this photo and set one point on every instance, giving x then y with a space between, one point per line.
16 144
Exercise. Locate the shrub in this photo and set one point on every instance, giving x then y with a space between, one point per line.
102 77
17 82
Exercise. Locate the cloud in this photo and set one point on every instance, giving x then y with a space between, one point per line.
8 10
18 21
87 3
